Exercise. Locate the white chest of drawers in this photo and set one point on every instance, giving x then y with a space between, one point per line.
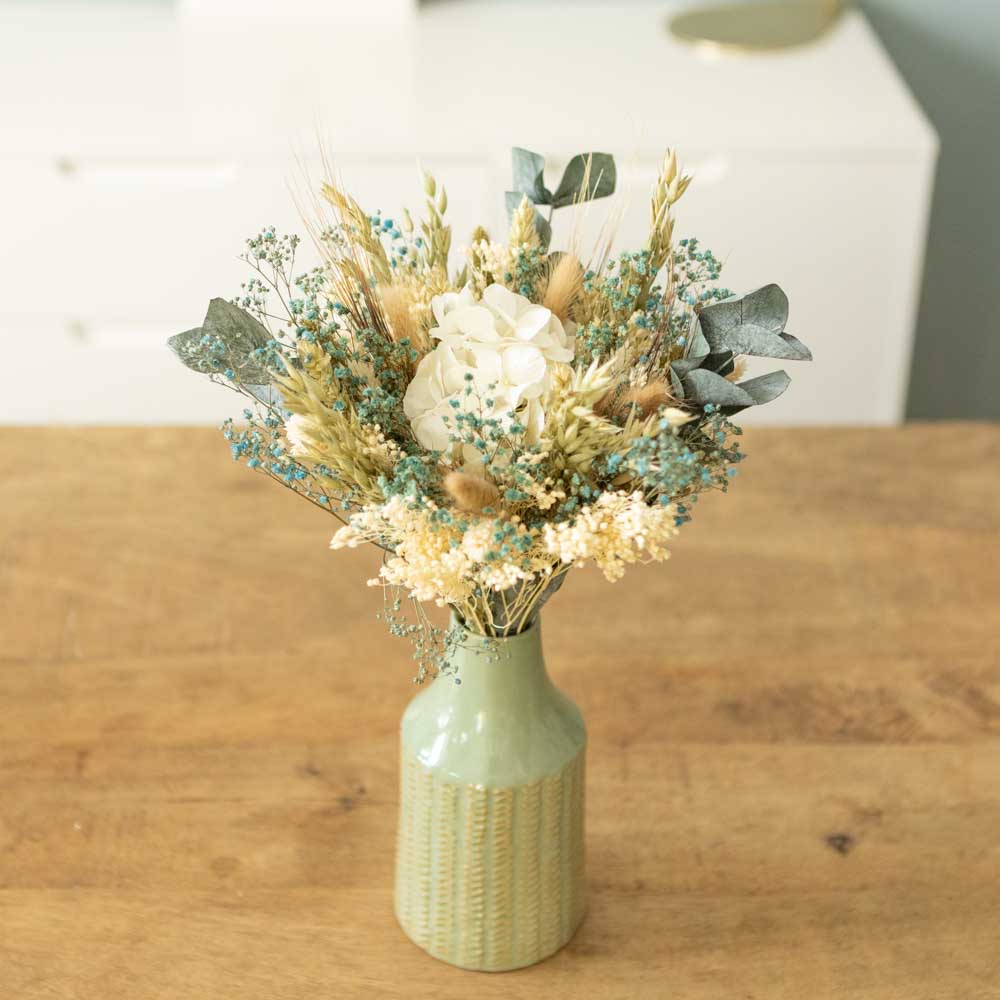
138 149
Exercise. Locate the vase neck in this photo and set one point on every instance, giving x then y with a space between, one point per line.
504 723
499 669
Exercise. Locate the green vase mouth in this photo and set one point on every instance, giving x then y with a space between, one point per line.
533 626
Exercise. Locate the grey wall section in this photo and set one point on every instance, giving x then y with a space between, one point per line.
949 53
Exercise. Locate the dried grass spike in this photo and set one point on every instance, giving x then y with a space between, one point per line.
471 493
565 284
740 366
647 398
522 226
398 305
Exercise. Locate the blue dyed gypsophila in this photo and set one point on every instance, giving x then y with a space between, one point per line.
492 421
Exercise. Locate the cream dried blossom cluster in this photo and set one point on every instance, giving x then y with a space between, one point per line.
493 425
619 529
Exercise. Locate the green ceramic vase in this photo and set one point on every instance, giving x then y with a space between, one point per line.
490 860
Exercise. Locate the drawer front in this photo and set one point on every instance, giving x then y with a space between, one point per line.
97 240
103 373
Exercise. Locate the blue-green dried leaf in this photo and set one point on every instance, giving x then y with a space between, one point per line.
726 314
544 229
528 170
804 354
752 324
722 363
697 347
767 307
765 388
704 387
753 340
601 182
189 350
240 335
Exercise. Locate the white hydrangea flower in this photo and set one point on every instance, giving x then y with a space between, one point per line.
440 382
506 345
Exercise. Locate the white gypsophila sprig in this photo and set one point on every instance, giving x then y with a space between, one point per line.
618 529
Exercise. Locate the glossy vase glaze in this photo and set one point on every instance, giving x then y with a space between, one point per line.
489 859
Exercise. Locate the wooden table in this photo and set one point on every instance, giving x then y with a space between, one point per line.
801 712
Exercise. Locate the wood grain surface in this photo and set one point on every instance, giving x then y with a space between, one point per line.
794 764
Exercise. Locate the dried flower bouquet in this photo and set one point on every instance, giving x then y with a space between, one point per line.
494 424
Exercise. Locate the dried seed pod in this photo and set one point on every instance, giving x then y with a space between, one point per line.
646 398
565 284
471 493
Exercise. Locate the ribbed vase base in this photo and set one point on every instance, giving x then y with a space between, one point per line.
490 879
522 964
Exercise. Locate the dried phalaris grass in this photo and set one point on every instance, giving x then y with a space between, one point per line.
669 187
400 310
437 235
522 226
471 493
740 366
357 229
564 285
338 441
647 399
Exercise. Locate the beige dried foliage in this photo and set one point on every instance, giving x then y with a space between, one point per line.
356 263
740 365
522 226
667 191
564 286
574 433
471 493
402 312
437 235
647 399
338 440
317 365
358 230
421 287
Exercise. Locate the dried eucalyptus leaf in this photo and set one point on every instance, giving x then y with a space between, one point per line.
722 363
529 175
267 394
188 348
765 388
704 387
697 346
804 354
601 182
232 337
676 386
726 314
241 334
544 229
755 340
767 307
